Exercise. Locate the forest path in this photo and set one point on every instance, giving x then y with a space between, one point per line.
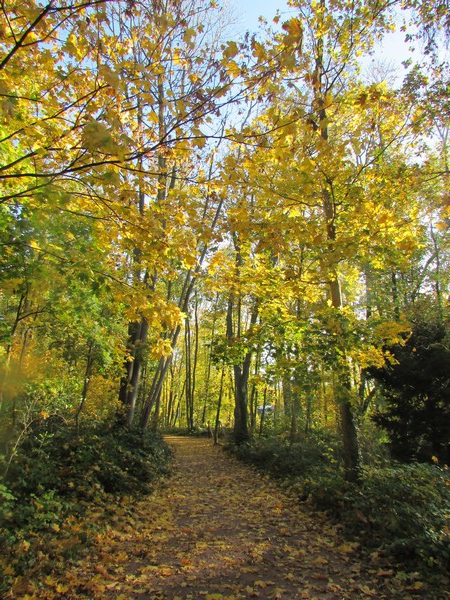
218 530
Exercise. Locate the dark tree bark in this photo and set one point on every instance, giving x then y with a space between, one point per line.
241 373
129 383
219 406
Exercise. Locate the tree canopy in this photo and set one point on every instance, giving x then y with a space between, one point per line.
238 236
194 226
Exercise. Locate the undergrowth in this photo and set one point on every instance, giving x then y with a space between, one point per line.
57 477
399 510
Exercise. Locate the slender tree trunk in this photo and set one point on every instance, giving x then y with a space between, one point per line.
177 414
287 395
206 391
189 407
349 432
241 433
164 362
136 373
129 384
133 329
437 282
137 331
154 391
219 406
395 301
263 412
241 370
195 361
9 348
293 428
307 412
87 377
209 360
253 407
155 420
254 393
368 281
324 394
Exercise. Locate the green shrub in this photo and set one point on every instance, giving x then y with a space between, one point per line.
407 508
56 467
401 509
373 445
282 458
87 464
404 510
58 472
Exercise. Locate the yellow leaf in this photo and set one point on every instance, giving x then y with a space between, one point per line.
293 26
231 50
110 76
366 590
277 594
96 136
188 36
259 51
199 142
50 581
418 585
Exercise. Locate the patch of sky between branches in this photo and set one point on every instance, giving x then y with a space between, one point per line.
386 61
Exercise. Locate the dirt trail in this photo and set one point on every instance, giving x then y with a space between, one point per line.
215 530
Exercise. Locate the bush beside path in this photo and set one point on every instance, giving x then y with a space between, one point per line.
218 530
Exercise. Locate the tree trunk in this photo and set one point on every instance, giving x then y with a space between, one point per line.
349 432
395 300
189 378
219 406
129 384
263 413
241 377
87 377
9 348
195 361
183 303
438 278
209 361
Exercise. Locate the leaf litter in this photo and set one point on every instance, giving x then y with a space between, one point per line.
217 530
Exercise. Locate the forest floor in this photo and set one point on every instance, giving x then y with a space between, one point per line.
219 530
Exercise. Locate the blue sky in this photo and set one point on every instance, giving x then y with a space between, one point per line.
250 10
392 50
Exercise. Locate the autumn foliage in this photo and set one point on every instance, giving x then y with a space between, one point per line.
237 236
